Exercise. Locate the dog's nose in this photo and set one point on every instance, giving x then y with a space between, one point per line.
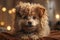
30 24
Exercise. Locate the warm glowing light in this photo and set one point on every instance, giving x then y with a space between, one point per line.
13 10
10 11
2 23
4 9
9 28
57 16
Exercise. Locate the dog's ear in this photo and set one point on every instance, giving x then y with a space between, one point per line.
18 11
40 11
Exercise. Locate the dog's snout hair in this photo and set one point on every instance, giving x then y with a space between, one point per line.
34 22
33 19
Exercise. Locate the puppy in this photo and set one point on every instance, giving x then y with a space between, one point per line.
31 21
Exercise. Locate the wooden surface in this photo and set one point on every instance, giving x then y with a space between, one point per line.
54 35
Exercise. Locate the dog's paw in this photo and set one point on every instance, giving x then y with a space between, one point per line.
34 37
24 37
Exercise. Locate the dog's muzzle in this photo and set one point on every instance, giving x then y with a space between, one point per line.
29 24
32 23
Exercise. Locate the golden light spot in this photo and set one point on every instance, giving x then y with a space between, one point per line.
13 10
2 23
10 11
57 16
4 9
8 28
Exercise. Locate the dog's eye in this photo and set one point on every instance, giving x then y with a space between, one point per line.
25 17
34 17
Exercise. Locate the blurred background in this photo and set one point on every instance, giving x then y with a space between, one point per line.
7 12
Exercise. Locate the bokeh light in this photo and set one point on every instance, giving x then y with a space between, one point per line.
10 11
57 16
8 28
2 23
13 10
4 9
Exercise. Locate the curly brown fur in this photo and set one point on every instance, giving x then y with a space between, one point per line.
37 17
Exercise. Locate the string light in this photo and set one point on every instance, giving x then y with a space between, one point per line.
10 11
2 23
57 16
8 28
13 10
4 9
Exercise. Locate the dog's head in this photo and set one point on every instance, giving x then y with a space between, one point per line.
28 17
